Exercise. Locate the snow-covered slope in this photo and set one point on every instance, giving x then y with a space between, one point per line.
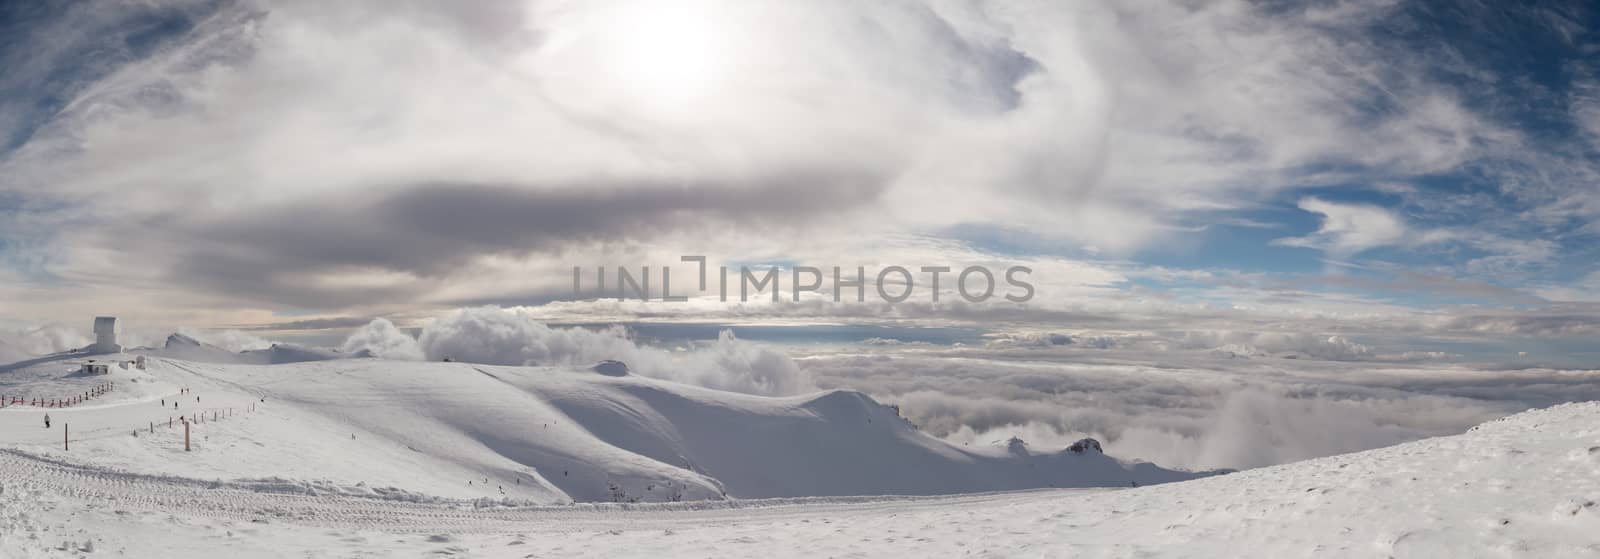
179 346
522 434
1525 486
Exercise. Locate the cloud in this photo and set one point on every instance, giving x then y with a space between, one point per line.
327 323
1251 428
315 252
383 339
40 340
1294 344
1575 321
516 134
1258 428
1585 106
1349 229
1189 407
497 336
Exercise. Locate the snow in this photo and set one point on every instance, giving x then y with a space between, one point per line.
389 458
179 346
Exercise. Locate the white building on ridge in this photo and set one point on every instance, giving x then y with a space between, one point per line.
105 333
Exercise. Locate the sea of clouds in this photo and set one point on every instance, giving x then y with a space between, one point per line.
1186 408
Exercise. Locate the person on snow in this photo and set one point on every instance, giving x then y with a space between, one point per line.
47 421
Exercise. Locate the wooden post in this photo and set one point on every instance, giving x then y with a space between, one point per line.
186 436
65 438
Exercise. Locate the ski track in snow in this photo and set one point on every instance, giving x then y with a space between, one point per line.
257 502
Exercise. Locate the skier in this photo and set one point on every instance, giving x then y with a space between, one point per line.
47 421
174 405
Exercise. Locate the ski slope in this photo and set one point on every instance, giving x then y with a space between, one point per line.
1524 486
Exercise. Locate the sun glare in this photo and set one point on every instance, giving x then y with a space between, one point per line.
669 51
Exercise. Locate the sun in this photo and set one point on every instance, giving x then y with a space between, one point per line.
661 59
670 51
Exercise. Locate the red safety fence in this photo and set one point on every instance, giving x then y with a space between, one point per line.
63 402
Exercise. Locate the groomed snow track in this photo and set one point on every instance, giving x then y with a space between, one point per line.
274 501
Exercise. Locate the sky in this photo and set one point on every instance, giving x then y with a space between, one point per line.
1412 171
1342 209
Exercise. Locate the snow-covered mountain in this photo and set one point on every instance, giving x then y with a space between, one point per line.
522 434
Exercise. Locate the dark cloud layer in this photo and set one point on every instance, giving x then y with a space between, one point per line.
432 232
